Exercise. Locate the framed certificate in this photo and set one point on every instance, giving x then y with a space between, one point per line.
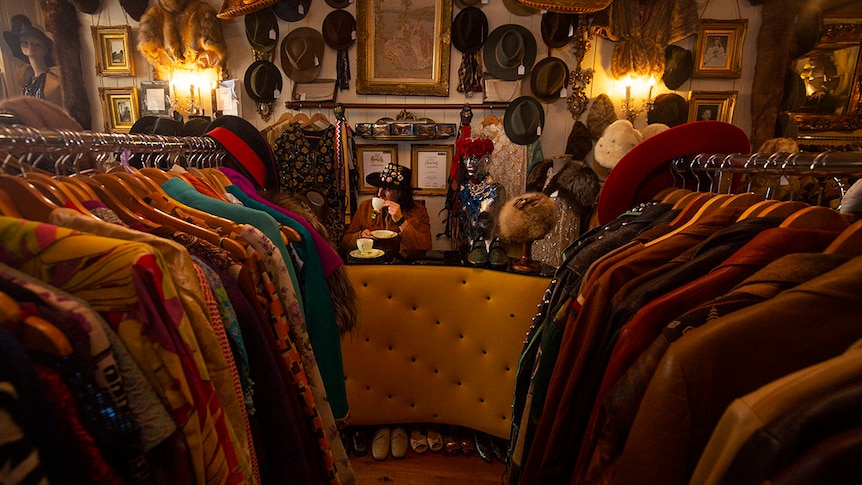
431 165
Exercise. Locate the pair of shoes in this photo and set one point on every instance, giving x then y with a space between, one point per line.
468 444
450 443
500 448
418 441
478 253
359 442
497 256
399 442
380 443
345 440
483 446
435 439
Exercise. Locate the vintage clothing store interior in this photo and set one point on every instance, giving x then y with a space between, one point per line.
431 241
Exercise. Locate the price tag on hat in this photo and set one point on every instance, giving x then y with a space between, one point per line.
564 93
272 34
521 70
300 9
316 60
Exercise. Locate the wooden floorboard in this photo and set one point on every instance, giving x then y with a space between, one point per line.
428 469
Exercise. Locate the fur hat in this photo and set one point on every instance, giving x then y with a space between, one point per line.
619 137
678 66
653 129
393 176
527 217
602 113
247 150
576 183
670 109
579 142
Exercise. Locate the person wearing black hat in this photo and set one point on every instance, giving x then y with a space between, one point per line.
32 46
399 213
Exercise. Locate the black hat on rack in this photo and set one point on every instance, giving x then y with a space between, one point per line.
524 120
292 10
156 125
558 29
338 3
261 30
469 30
22 28
248 152
339 29
302 54
263 81
509 52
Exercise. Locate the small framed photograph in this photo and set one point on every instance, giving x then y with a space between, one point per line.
155 98
431 164
115 55
719 48
120 108
372 158
711 105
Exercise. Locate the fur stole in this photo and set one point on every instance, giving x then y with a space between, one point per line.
576 183
61 20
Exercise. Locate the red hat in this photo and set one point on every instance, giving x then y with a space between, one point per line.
643 171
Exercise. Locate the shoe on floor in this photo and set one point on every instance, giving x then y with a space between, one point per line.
451 443
359 442
483 446
380 443
435 440
500 447
465 439
478 253
399 442
418 441
497 256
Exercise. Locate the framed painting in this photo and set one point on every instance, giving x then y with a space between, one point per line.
708 105
403 47
155 98
120 108
370 159
719 48
114 53
431 164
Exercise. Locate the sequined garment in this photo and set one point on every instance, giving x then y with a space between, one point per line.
550 249
508 162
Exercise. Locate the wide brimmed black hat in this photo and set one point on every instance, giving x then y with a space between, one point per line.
524 120
678 66
509 52
292 10
393 176
338 3
263 81
261 30
558 29
22 27
156 125
339 29
302 54
469 30
548 78
247 150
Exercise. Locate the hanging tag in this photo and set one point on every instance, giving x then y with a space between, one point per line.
521 70
272 34
484 2
300 9
543 12
571 30
554 194
783 181
539 130
302 96
353 35
276 93
316 60
564 93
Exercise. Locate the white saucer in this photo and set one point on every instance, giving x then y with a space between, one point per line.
374 253
383 234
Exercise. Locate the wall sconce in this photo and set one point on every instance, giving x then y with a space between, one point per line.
630 111
189 89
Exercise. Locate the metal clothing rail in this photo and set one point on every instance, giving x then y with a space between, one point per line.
826 163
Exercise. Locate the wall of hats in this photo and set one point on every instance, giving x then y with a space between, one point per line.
420 61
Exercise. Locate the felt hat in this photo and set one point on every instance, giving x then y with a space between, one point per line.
579 143
467 3
23 28
38 113
339 29
195 126
92 6
263 81
302 54
469 30
261 30
292 10
524 120
247 151
678 66
567 6
134 8
509 52
643 171
231 9
558 29
393 176
156 125
548 77
670 109
519 9
338 3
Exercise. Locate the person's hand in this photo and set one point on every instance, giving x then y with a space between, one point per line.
365 233
394 209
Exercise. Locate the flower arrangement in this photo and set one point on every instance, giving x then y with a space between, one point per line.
474 147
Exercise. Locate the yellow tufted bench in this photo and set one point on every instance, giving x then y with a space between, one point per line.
437 344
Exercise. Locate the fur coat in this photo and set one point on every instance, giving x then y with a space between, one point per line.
576 183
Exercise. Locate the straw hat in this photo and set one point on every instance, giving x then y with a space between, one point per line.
237 8
567 6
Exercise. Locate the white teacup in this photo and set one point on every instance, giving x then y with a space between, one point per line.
376 203
365 245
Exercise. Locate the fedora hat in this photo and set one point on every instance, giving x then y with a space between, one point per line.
467 3
338 3
261 30
263 81
524 120
678 66
567 6
558 29
393 176
469 30
642 172
231 9
339 29
548 77
156 125
509 52
23 28
302 54
247 151
292 10
519 9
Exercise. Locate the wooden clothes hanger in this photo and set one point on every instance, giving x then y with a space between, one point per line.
783 209
849 242
33 331
817 218
491 119
318 120
712 203
29 201
124 213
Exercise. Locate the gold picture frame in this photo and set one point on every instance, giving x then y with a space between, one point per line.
719 48
120 108
431 165
114 53
372 158
711 105
403 51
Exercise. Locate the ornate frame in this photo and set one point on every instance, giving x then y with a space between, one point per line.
731 35
386 60
721 102
366 162
114 102
115 55
431 165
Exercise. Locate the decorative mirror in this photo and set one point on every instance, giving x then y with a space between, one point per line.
832 76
